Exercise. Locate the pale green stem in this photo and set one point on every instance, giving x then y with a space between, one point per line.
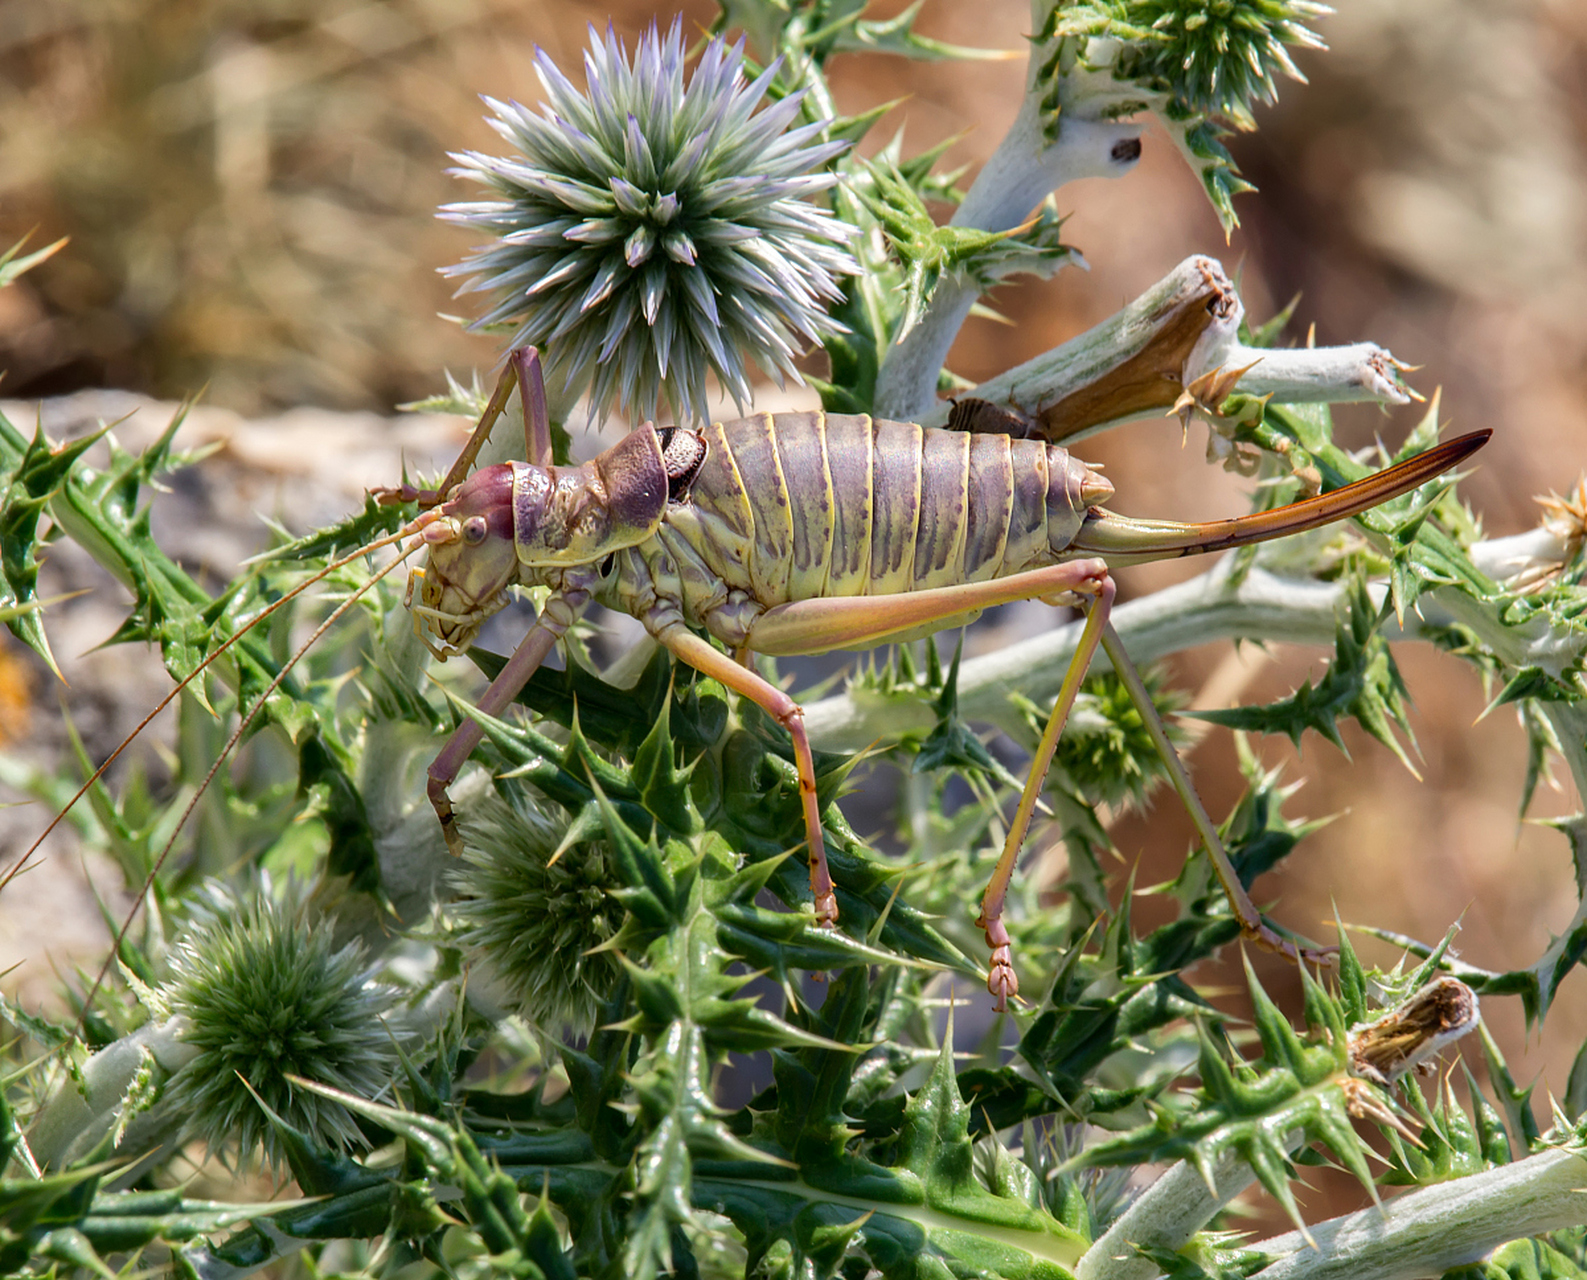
1420 1233
83 1111
1041 153
1316 375
1261 607
1167 1215
1022 171
1433 1229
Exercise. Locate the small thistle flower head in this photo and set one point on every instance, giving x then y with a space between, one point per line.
536 913
1225 53
264 994
651 229
1217 56
1546 556
1566 518
1106 750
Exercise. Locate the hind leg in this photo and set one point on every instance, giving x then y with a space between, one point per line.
1001 981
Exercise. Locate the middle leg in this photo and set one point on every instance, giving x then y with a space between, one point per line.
700 655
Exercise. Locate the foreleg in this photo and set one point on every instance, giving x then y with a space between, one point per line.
555 618
536 417
523 370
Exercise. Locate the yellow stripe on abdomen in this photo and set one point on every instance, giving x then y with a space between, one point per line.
802 453
895 506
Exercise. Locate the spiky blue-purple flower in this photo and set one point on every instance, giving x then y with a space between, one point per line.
657 227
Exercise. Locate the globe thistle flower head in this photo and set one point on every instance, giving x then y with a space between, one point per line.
1107 751
537 914
264 993
656 227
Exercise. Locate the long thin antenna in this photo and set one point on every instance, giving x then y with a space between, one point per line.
242 727
166 701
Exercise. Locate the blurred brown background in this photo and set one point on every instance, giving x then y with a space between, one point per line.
249 188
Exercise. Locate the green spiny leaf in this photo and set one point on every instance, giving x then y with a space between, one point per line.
662 786
935 1148
373 522
1540 1259
1514 1101
929 252
1362 681
898 36
952 744
1248 1108
1352 979
36 472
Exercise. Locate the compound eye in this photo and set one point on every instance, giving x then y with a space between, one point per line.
474 530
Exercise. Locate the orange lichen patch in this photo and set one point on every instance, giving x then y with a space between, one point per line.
15 687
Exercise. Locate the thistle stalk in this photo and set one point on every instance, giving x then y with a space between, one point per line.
1262 606
1432 1230
1166 1216
1259 606
1094 69
1033 159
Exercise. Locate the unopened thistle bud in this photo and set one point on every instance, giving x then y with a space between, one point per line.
655 228
263 993
536 913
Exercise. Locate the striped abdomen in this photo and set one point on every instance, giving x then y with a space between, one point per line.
796 506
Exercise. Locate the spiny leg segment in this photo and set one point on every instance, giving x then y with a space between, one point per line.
523 370
1001 980
688 647
556 616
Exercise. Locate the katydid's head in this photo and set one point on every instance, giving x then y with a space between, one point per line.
516 522
471 562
